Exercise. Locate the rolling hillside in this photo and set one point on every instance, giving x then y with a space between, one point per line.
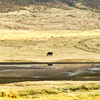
26 14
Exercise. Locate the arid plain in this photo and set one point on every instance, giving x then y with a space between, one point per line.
27 33
32 46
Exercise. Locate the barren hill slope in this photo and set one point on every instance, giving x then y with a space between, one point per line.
49 16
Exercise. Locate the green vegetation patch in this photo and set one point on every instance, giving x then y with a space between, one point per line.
77 91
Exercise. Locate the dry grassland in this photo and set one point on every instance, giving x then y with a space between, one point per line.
51 90
28 33
33 46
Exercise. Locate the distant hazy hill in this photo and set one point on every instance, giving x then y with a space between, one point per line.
10 4
16 2
92 3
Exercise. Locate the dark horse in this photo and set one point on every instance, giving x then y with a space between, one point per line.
49 53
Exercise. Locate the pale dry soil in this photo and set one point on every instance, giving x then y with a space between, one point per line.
67 46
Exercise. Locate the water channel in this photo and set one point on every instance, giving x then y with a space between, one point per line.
43 70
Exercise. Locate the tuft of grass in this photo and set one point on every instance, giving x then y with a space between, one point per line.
3 94
49 91
27 93
85 87
9 94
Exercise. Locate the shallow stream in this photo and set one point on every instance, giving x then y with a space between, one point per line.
37 71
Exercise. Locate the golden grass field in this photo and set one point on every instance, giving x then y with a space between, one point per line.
51 90
66 45
28 33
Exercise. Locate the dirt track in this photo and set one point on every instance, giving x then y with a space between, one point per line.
90 45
